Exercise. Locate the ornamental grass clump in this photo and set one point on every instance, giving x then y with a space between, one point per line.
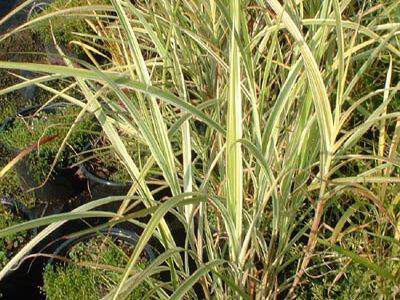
297 164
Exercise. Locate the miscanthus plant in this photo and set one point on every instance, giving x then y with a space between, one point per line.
275 125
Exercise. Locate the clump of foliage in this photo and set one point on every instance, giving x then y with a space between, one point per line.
298 159
103 161
10 185
22 47
53 126
12 243
93 270
64 26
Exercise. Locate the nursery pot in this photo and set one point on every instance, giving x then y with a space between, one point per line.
63 185
101 186
26 281
125 240
129 237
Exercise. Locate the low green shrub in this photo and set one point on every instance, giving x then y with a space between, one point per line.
12 243
86 277
27 131
64 26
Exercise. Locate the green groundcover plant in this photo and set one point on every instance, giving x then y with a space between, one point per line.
50 125
65 29
12 243
298 161
83 277
102 161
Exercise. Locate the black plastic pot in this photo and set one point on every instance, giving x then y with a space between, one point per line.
20 209
102 187
62 186
99 187
102 181
17 207
93 178
128 236
26 280
60 256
